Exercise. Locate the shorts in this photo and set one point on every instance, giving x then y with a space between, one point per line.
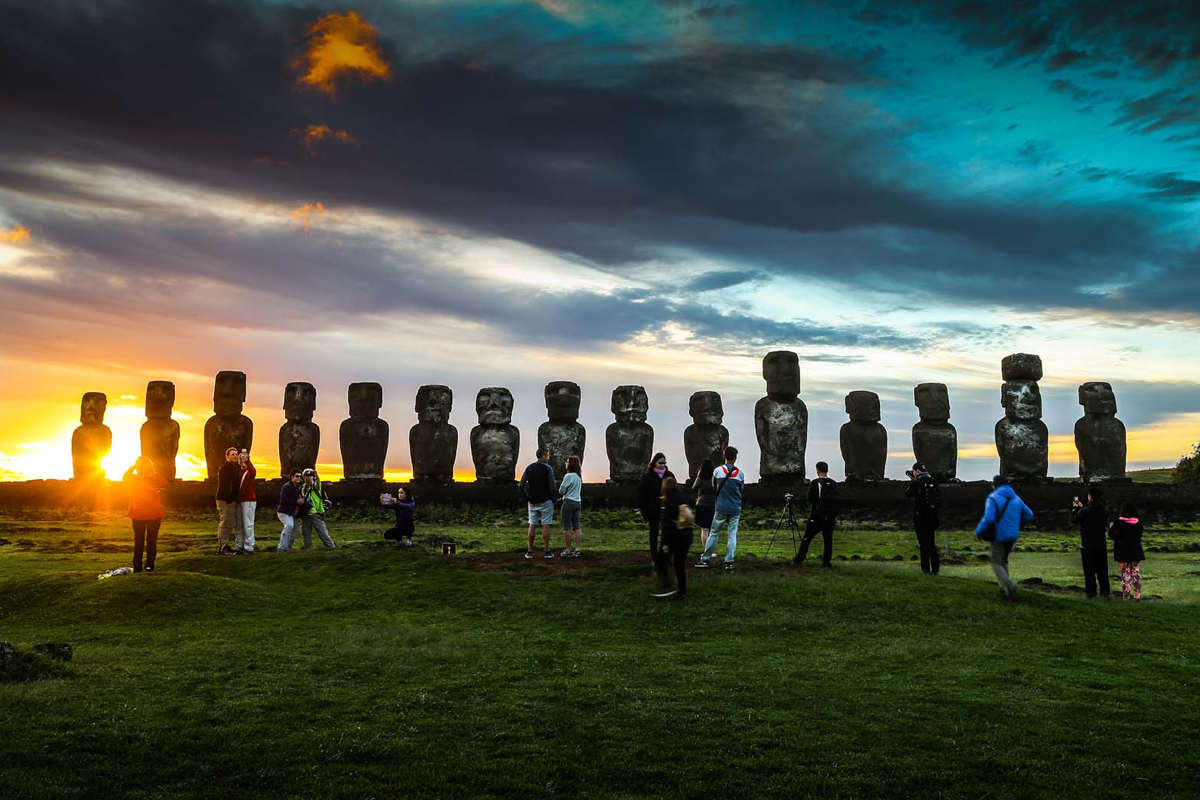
541 513
570 514
704 516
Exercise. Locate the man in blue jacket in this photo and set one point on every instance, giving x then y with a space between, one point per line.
1005 513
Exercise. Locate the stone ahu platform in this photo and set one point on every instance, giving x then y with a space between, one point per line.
883 501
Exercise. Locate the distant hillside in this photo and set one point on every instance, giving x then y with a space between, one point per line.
1164 475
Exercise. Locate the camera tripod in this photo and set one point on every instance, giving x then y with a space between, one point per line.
787 515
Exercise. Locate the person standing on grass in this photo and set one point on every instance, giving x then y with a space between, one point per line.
1093 524
822 516
1003 515
247 505
229 477
572 503
925 497
539 487
314 503
403 505
1126 533
675 528
706 498
288 510
145 509
649 491
728 481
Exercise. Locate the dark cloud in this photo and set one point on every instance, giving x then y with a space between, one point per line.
721 279
1074 91
1168 108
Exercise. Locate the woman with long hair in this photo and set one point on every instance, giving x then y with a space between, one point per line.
1126 533
706 498
649 492
675 519
572 503
403 505
145 510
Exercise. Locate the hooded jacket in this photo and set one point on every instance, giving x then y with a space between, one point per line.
1126 534
1016 514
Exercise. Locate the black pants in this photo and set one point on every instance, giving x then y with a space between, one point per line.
145 535
1095 569
401 530
654 527
675 549
927 541
811 529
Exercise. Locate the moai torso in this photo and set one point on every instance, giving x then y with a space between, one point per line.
364 436
935 441
433 441
706 437
629 441
1022 439
781 421
299 437
1099 435
160 433
228 427
863 439
92 440
562 436
495 441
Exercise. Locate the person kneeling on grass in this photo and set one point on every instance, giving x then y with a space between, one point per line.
572 504
402 504
675 538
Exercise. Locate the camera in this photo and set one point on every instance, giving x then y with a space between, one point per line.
788 497
908 472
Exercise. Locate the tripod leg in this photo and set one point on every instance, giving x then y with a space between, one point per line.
778 524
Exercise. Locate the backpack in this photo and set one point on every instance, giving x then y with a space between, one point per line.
828 503
929 496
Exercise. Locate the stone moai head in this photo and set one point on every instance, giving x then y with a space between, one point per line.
229 393
160 399
562 401
706 408
781 369
365 400
92 408
863 406
1097 398
630 404
1022 400
494 406
1021 367
932 401
299 401
434 403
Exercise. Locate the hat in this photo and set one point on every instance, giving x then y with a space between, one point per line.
919 466
309 471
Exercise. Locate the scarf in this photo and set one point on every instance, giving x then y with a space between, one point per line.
660 472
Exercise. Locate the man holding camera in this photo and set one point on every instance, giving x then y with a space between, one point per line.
924 493
313 505
822 516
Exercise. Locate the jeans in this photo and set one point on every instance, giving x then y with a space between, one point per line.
225 515
999 560
145 532
244 523
570 514
926 530
1095 569
710 547
825 528
316 521
288 533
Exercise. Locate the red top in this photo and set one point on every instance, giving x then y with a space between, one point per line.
246 487
144 502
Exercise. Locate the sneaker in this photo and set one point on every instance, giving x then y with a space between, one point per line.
729 566
675 598
239 552
670 593
223 550
576 553
247 552
149 568
548 555
701 564
529 554
408 542
565 554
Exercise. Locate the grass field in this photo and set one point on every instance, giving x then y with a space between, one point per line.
374 672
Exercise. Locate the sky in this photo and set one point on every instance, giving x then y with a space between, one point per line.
508 192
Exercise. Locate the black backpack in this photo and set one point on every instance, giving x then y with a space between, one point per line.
929 496
828 503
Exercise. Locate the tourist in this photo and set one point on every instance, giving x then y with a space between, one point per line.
675 518
822 516
569 493
1126 533
1092 519
228 478
288 510
402 504
247 505
313 504
926 499
538 487
143 483
706 498
728 480
1003 515
649 492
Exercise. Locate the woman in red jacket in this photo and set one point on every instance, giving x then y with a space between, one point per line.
145 509
247 505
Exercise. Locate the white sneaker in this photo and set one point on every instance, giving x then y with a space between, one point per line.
529 554
565 554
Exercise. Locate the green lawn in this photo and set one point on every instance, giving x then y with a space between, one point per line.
373 672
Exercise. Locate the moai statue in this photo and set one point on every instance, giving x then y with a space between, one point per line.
629 440
299 437
1021 437
364 436
562 435
1099 435
160 433
863 439
495 441
228 427
92 440
706 437
935 441
781 421
433 441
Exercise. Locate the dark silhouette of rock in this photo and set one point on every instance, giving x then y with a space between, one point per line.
228 427
495 441
1099 435
433 441
935 441
92 440
364 436
562 435
863 439
160 434
1022 439
629 441
781 421
299 437
706 437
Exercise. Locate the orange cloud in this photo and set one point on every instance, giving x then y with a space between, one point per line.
303 216
339 47
311 136
18 234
